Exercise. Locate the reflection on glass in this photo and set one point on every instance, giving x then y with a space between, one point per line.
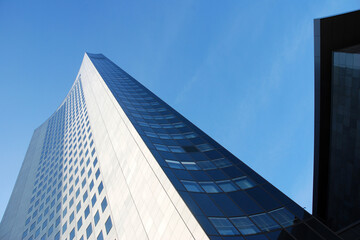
174 164
210 187
264 222
191 166
283 216
222 163
161 147
244 225
244 182
191 186
204 147
224 226
176 149
206 165
227 186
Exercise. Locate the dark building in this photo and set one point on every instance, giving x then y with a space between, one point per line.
337 123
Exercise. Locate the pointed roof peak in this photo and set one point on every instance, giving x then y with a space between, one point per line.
94 55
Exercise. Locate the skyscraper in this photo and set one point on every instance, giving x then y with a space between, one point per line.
337 123
116 162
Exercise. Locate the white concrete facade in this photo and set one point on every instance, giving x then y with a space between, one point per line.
12 224
144 203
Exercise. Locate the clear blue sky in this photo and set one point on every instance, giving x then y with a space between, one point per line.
240 70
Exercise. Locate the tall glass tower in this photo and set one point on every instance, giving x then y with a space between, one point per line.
337 123
116 162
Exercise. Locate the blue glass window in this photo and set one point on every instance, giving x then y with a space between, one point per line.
164 136
78 206
210 187
227 206
64 227
206 165
57 222
244 225
103 204
72 234
154 125
283 216
35 213
57 236
65 211
97 173
93 200
79 223
95 161
244 182
176 149
87 211
190 148
192 186
85 196
108 225
51 229
24 234
224 226
77 192
100 236
32 226
263 198
37 233
143 124
88 231
174 164
27 221
177 136
96 217
222 163
190 135
179 125
71 217
45 224
100 188
227 186
191 166
208 206
83 183
245 202
204 147
264 222
161 147
91 185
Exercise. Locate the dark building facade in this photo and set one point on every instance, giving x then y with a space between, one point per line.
337 123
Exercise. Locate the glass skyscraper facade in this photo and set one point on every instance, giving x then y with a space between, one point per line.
116 162
337 123
343 200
